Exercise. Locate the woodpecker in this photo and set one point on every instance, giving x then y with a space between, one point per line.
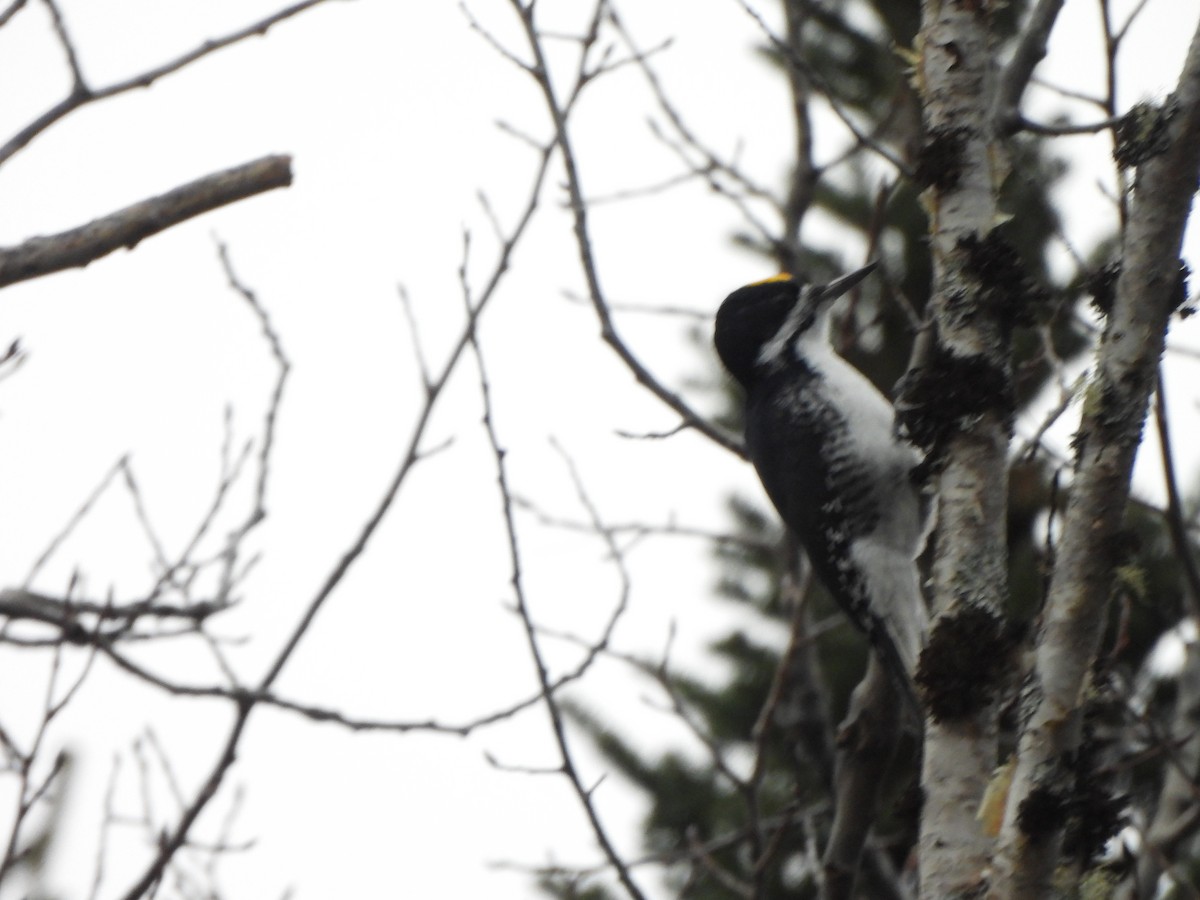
821 437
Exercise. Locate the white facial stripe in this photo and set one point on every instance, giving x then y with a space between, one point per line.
774 349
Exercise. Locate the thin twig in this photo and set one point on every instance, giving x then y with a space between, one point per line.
78 86
831 97
1067 129
72 523
558 111
1033 40
105 828
78 98
246 701
558 725
1120 33
283 366
1174 511
414 332
12 9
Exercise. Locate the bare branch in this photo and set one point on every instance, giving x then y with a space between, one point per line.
648 190
814 77
636 531
1110 431
1174 512
414 332
805 172
558 111
11 359
180 573
1066 397
491 39
143 517
1070 93
674 857
106 827
246 701
558 725
60 29
127 227
699 855
31 792
867 742
72 523
238 694
1177 812
648 309
284 366
81 95
13 8
738 192
1119 34
1067 129
22 603
711 162
1031 49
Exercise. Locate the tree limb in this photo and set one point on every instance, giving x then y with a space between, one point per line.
559 109
1176 815
1108 437
867 741
127 227
81 94
1031 49
968 570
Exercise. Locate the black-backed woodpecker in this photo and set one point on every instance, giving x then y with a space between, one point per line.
822 439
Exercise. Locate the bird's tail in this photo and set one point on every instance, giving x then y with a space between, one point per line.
898 624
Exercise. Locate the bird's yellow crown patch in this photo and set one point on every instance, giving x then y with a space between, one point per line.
782 276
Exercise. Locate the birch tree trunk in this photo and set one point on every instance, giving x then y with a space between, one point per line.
968 347
1148 291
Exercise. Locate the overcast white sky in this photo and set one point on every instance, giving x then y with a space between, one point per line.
390 113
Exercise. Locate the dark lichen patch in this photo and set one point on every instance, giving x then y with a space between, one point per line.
1142 133
1121 547
959 307
940 159
1005 288
965 664
1083 802
1042 812
948 393
1179 297
1101 285
1097 810
1112 410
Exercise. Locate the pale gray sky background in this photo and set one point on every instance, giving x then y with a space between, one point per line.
390 112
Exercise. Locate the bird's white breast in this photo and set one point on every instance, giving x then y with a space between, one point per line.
869 418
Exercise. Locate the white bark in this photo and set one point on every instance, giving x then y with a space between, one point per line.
969 561
1110 431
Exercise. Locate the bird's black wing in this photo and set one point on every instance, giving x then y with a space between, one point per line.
827 494
820 490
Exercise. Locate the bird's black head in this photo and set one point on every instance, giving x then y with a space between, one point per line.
758 323
751 317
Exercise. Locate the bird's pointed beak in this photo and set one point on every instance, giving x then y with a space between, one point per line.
835 289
